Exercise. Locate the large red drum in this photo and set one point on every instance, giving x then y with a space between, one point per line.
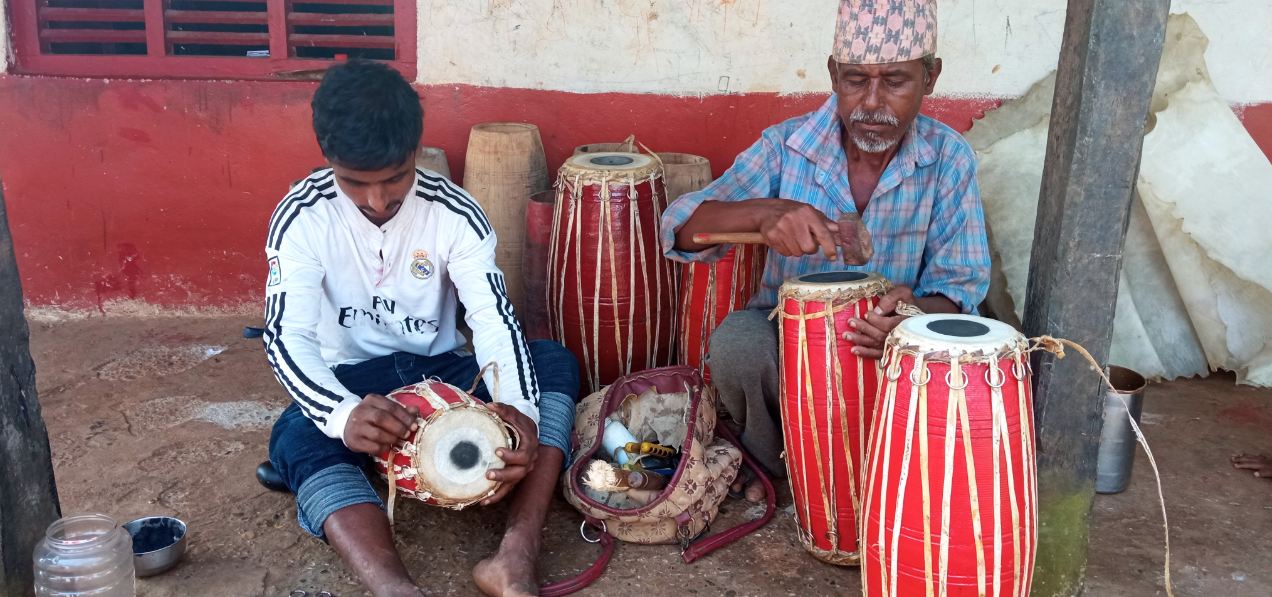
611 293
444 462
827 406
709 292
951 495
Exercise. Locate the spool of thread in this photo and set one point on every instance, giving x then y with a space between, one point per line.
616 437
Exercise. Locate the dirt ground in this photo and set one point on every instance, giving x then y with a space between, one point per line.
170 415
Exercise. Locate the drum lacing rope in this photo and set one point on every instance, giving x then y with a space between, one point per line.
1056 346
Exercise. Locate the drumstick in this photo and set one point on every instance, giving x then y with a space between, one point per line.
853 238
729 238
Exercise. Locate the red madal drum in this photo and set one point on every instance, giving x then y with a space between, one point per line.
611 293
709 293
444 462
827 403
951 505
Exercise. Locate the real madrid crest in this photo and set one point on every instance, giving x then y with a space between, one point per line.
421 267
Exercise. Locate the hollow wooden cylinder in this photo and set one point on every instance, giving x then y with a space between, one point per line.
504 166
684 173
433 158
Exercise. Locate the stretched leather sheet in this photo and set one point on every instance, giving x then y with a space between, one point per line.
1196 290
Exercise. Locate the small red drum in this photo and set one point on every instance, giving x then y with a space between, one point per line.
611 293
444 462
827 406
710 292
951 494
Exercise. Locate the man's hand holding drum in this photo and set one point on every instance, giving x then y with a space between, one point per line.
872 331
519 462
377 423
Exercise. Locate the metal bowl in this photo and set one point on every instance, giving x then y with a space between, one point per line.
159 542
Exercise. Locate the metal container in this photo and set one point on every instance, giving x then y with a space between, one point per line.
1117 440
158 543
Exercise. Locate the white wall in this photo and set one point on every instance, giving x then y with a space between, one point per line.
693 47
696 47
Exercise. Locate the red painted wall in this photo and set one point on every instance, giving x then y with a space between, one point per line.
161 190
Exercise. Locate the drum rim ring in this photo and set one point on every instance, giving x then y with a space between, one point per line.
989 379
583 531
925 380
892 369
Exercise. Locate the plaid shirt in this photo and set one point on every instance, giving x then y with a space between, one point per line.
925 216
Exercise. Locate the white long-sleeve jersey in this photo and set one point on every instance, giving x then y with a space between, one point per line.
343 290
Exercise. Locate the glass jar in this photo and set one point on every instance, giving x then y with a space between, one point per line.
82 556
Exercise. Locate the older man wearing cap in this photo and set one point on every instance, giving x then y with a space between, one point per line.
868 151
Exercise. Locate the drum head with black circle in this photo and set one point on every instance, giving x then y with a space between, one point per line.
454 451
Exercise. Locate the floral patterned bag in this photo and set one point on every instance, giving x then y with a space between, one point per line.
673 406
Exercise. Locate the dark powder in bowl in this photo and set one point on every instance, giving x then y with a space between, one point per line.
154 535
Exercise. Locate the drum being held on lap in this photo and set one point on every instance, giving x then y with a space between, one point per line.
444 462
611 294
827 405
951 493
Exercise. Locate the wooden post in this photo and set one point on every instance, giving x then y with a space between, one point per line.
1108 66
28 496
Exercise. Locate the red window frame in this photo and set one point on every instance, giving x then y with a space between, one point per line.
28 59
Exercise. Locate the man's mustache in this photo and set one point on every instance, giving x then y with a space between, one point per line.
876 117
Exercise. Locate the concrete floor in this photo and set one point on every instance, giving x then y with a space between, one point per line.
170 415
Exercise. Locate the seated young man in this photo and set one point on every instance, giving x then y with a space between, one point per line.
866 150
369 261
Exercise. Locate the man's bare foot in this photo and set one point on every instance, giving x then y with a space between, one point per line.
1260 464
508 573
751 488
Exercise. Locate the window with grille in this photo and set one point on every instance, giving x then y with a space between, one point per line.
208 38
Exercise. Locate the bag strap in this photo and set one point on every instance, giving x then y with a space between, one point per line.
593 572
705 546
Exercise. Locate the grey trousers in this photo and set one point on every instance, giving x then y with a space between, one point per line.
746 373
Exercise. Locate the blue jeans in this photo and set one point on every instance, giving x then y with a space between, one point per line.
327 476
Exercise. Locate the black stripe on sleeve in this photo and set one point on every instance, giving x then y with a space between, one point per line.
277 342
443 191
305 189
521 335
297 396
525 368
450 206
300 203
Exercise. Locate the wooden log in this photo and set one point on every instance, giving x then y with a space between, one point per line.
684 173
28 495
1107 69
433 158
504 166
534 266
